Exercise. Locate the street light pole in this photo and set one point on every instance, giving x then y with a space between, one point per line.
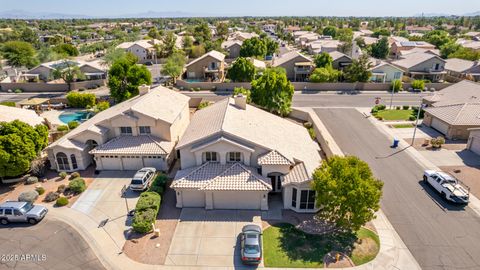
416 122
391 98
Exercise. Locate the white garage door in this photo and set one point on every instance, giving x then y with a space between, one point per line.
475 145
442 127
193 198
110 163
156 162
132 163
237 200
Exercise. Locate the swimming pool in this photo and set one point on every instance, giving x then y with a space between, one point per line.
68 117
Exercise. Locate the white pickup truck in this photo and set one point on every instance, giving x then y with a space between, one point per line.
448 186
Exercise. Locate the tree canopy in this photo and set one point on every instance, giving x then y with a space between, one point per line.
381 49
330 31
242 70
124 78
66 49
253 47
323 60
358 71
347 193
20 143
19 53
325 74
173 67
273 91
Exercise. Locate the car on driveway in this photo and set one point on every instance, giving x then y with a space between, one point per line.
251 244
448 186
11 211
142 179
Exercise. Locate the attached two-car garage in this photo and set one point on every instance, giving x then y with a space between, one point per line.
439 125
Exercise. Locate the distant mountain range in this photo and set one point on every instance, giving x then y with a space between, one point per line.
21 14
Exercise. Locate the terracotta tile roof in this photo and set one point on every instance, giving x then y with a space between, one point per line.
273 158
463 114
134 145
297 174
215 176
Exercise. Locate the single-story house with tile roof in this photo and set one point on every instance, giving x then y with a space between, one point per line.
139 132
235 156
208 67
9 114
463 69
297 66
423 66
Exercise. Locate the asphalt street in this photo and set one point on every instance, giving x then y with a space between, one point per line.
439 235
50 245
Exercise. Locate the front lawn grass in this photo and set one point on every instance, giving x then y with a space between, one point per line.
402 126
395 115
286 246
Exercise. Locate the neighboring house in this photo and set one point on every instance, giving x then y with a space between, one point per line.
453 120
393 39
144 50
269 28
340 60
208 67
463 69
473 143
323 45
419 29
464 91
383 72
232 47
472 44
242 36
259 65
9 114
397 47
44 72
297 66
403 54
236 156
423 66
139 132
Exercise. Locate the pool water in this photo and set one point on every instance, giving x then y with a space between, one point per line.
68 117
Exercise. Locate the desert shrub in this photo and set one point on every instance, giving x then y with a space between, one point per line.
18 91
307 124
61 189
146 211
74 175
203 105
51 196
62 128
62 201
77 185
81 100
73 124
28 196
62 175
397 85
40 190
31 180
437 142
405 107
418 84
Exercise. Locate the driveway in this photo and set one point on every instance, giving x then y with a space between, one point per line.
209 237
103 200
56 244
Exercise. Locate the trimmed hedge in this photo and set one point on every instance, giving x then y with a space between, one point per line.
159 184
146 211
81 100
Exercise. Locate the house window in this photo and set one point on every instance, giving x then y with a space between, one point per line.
234 157
145 130
74 161
62 162
307 199
210 156
437 66
125 130
397 75
294 197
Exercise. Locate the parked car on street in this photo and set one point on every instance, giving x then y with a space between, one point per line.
251 244
448 186
142 179
12 211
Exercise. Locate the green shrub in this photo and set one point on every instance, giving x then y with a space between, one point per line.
381 107
203 105
8 103
62 175
160 181
74 175
80 100
412 118
62 128
103 105
31 180
18 91
28 196
142 221
312 134
148 200
397 85
51 196
415 112
405 107
40 190
397 107
61 189
418 84
307 124
77 185
62 201
156 189
437 142
73 124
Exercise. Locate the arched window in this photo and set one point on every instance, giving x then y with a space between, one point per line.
74 161
62 162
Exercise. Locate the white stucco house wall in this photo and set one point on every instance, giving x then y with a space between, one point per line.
236 156
139 132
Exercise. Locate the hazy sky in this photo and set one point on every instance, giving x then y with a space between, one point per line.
247 7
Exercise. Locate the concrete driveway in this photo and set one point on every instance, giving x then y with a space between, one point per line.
103 200
209 237
52 244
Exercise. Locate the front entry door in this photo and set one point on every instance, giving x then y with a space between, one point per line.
276 180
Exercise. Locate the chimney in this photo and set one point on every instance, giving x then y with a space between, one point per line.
241 101
143 89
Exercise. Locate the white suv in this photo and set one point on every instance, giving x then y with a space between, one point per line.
142 179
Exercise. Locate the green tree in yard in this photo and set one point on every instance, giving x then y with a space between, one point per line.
173 67
381 48
323 60
222 30
167 47
28 35
202 33
358 71
465 53
330 31
124 78
347 193
437 37
187 43
253 47
273 91
449 48
19 53
325 74
381 32
112 55
242 70
272 46
69 73
153 33
66 49
20 143
197 51
245 92
47 54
